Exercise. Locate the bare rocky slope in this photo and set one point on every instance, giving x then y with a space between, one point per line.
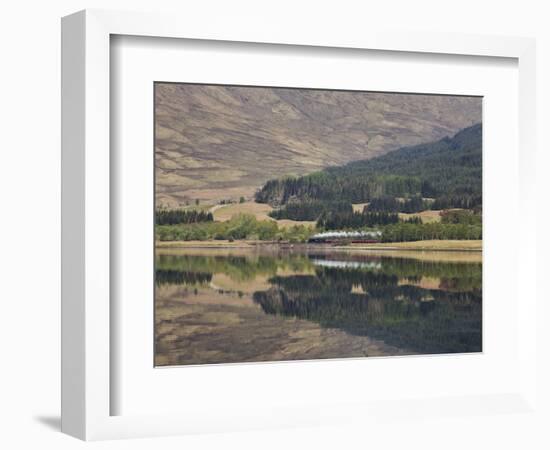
219 142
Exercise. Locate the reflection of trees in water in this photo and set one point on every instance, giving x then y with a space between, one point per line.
380 300
403 267
181 277
238 268
423 320
458 276
464 275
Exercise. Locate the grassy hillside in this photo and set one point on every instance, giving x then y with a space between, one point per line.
260 211
216 142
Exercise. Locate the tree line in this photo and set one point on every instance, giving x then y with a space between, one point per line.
240 226
391 204
310 210
366 219
460 216
458 201
328 187
404 232
176 216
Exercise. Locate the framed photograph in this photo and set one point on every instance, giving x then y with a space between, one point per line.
364 237
275 228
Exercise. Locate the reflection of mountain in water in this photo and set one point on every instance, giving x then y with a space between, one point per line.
424 306
425 320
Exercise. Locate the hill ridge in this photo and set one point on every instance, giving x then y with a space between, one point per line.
215 142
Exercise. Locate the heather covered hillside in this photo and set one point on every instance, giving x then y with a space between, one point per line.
217 142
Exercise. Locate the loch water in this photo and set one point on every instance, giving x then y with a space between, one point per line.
274 304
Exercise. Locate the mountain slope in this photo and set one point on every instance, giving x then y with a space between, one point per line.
450 167
215 142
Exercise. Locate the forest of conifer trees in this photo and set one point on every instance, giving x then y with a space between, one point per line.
176 216
447 171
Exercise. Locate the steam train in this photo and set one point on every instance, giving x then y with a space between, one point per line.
346 237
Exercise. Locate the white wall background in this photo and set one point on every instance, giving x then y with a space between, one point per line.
30 196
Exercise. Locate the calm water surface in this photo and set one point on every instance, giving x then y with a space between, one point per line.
238 305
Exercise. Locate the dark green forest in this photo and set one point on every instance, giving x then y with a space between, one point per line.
310 210
406 232
365 219
175 216
448 171
386 203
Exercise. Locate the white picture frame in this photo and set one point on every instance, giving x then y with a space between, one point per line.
86 218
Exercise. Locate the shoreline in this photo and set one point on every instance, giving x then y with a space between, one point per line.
474 246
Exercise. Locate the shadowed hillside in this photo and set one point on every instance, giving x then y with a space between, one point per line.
215 142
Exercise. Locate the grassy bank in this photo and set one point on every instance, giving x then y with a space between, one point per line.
432 245
207 244
441 245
